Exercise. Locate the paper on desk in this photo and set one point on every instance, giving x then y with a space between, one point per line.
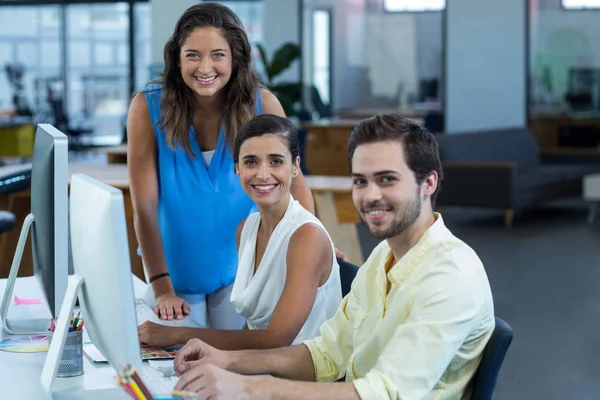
150 353
93 353
160 363
165 366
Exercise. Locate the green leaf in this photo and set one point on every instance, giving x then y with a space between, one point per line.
283 58
265 61
288 89
288 94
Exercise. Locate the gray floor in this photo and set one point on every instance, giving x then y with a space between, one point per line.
545 277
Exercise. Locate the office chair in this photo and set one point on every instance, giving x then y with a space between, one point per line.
7 221
347 273
484 381
12 180
323 109
63 123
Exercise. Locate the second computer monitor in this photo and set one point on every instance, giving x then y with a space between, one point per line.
48 224
101 256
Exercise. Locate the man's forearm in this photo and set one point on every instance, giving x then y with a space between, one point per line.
292 362
269 388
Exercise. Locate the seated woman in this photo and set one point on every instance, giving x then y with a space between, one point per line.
288 281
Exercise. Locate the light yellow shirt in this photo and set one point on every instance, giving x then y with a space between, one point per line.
423 340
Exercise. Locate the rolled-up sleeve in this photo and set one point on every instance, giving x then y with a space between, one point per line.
442 316
331 351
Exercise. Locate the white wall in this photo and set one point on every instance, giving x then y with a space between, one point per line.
485 64
165 14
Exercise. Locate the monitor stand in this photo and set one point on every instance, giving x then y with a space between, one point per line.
25 326
60 332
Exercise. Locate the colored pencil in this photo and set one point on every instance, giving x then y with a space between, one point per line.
76 321
136 388
183 395
127 388
136 377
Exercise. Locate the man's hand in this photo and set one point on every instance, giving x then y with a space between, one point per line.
151 333
211 382
169 306
196 353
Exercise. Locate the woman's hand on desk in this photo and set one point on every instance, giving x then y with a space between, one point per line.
196 353
169 306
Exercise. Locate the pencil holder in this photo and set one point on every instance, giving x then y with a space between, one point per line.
71 359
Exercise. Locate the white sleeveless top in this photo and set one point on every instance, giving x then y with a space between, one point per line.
256 295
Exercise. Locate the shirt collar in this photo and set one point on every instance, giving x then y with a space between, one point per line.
403 267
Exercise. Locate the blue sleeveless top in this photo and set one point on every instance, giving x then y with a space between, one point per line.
199 208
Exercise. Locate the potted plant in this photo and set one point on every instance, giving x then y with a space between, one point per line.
288 93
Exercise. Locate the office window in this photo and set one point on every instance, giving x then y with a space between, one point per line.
97 68
580 4
413 5
321 42
29 44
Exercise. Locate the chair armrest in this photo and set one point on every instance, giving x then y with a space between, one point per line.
478 183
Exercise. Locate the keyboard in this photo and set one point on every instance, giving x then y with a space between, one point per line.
145 313
160 381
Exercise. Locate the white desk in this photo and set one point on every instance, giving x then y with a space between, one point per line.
20 372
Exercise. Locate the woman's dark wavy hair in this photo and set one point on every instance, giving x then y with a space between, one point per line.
178 102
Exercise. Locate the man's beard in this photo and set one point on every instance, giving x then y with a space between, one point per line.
409 213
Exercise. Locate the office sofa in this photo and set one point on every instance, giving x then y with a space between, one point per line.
504 169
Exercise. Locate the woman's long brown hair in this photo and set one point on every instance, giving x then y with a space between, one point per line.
178 103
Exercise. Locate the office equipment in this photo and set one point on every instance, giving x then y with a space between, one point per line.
15 178
97 382
15 73
7 221
48 224
71 357
16 137
25 344
102 279
74 131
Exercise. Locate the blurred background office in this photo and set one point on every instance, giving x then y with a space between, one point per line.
511 88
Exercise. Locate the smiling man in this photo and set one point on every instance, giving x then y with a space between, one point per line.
420 312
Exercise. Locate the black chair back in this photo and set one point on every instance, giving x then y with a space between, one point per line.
347 273
485 378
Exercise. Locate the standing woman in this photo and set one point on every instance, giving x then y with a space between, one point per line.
187 199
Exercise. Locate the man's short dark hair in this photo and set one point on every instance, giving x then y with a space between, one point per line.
421 148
